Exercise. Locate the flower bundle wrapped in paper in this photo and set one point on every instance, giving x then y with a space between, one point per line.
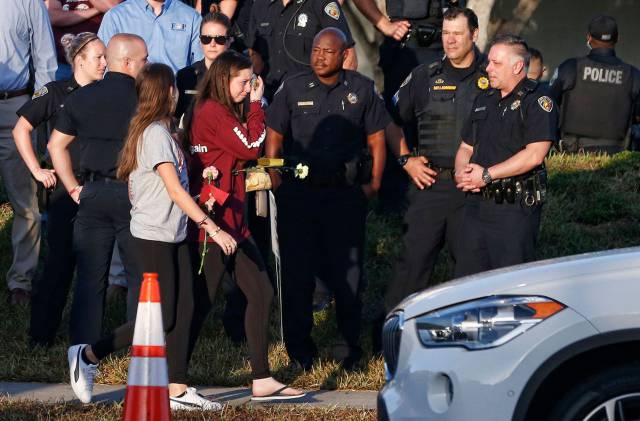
210 194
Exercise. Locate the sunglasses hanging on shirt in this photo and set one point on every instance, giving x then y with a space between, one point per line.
219 39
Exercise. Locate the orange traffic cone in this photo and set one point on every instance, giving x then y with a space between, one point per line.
147 396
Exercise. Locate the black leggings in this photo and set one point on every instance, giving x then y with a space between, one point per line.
172 263
248 270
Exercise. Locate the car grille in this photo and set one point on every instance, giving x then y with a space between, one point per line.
391 333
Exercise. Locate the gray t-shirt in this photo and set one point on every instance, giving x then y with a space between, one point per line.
154 216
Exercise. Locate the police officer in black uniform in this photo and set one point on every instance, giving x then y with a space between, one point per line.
597 93
281 33
85 53
326 118
412 37
99 115
500 163
187 79
438 97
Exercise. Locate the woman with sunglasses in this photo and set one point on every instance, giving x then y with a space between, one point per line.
86 55
230 135
215 40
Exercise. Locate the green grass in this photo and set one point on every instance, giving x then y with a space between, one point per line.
594 204
26 410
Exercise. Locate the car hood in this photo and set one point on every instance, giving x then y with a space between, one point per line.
579 281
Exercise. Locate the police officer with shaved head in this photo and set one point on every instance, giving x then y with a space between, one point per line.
500 163
599 93
327 118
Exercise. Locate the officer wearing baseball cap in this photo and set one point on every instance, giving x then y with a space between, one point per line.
599 94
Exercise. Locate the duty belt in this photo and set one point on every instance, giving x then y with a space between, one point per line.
530 189
444 173
12 94
574 143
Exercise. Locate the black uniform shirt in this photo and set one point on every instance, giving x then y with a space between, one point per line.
564 77
326 125
505 126
413 95
45 104
99 115
187 80
297 24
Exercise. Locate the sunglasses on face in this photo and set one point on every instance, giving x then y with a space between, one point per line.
219 39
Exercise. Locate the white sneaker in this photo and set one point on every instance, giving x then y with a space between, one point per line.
191 400
81 374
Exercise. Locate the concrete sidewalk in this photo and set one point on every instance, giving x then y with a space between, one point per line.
48 392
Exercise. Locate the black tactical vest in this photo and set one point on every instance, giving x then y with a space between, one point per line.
599 106
440 122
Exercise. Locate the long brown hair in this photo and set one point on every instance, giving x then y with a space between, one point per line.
155 103
215 82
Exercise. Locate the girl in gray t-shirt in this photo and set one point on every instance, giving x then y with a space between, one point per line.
155 168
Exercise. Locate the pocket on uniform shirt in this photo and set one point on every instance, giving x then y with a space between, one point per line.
304 119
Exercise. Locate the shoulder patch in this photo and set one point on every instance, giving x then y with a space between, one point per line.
40 92
333 10
546 103
407 79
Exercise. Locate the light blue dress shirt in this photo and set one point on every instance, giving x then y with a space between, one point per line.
172 37
25 32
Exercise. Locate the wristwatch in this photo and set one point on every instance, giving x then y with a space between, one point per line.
402 160
486 177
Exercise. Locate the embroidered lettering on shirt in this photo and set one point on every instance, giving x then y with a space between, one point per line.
444 88
178 26
243 138
305 103
198 149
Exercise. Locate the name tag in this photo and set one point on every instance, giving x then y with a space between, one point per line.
190 92
444 88
480 109
305 103
178 26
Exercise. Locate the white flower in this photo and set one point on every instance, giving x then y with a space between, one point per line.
210 172
301 171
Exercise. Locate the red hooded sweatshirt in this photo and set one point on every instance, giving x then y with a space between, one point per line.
219 139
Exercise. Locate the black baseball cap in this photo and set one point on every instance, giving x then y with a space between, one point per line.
604 28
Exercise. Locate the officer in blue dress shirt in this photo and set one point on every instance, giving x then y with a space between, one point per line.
170 28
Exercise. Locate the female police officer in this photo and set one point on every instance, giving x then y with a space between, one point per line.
215 40
85 53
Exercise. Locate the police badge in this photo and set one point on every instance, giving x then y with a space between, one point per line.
302 20
483 82
352 98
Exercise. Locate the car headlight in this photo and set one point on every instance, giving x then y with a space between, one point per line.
484 323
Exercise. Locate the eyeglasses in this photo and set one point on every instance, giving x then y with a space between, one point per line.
219 39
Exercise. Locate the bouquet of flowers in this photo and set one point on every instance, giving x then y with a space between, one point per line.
209 196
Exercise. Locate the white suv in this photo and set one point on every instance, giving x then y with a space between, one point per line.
551 340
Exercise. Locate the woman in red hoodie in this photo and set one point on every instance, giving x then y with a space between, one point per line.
220 135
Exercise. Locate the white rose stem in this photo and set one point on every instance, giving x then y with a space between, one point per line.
275 247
